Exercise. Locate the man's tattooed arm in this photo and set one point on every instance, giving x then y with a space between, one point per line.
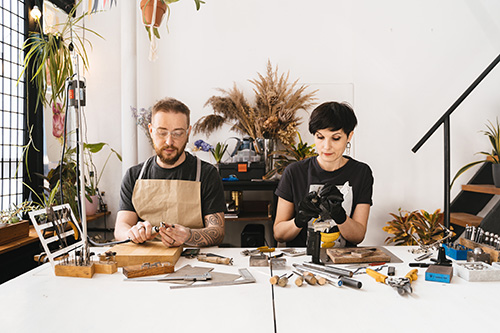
212 234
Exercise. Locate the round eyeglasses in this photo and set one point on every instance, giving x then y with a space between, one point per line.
175 134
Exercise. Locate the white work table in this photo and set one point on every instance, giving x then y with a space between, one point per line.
38 301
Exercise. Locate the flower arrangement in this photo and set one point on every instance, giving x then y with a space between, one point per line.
274 115
143 119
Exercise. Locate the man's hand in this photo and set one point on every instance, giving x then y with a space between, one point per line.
173 235
331 203
141 232
308 209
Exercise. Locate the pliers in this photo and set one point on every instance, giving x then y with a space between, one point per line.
401 284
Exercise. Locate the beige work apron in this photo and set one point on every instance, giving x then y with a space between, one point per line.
169 200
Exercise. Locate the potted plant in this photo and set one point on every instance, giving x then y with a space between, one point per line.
12 225
94 175
158 8
292 153
218 151
49 57
493 134
409 227
65 173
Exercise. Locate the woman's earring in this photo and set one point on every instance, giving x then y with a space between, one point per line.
348 149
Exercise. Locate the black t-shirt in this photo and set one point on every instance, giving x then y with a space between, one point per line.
212 191
354 179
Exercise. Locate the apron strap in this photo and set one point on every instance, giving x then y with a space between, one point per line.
198 169
144 166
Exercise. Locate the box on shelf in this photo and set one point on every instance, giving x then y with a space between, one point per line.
243 170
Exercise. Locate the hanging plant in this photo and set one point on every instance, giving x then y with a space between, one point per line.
152 13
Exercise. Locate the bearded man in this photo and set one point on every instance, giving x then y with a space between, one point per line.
172 190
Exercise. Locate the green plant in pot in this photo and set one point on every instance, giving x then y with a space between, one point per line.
162 7
493 134
292 153
408 227
93 177
218 151
49 56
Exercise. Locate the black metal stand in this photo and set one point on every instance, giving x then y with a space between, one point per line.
445 120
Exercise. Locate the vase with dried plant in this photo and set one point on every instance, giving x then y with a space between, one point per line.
273 116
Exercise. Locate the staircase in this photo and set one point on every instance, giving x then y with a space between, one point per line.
473 198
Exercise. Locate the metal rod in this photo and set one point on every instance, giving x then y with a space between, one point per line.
446 208
456 104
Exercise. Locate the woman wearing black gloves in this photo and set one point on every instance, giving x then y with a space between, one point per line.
329 186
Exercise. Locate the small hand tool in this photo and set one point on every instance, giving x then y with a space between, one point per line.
215 259
319 277
299 281
329 269
283 281
401 284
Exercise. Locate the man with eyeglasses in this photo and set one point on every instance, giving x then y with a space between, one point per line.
173 190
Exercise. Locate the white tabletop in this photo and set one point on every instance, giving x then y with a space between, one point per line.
38 301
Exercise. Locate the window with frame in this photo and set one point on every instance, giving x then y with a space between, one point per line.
12 102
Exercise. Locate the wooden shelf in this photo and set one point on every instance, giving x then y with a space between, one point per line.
97 216
32 237
487 188
248 217
464 219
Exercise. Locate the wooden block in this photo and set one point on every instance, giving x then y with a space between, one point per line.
75 271
494 254
349 255
12 232
130 254
106 267
143 270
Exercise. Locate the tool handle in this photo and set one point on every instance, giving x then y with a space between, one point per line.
310 279
299 281
274 279
351 282
412 275
379 277
217 260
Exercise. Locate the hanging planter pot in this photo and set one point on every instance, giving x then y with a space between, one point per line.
148 10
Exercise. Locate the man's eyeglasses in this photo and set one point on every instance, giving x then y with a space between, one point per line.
175 134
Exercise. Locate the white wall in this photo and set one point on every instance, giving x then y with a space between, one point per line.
401 64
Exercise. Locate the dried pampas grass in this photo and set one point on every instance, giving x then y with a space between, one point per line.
274 115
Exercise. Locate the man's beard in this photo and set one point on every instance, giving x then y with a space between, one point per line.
172 158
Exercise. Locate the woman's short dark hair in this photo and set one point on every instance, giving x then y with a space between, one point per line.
171 105
333 116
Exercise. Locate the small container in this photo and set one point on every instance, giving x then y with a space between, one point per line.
457 254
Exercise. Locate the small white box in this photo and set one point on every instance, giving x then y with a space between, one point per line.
476 271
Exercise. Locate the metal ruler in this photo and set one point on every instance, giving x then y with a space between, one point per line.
245 274
199 277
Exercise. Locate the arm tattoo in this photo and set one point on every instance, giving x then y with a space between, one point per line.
212 234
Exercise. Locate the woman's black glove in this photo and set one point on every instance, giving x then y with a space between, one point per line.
331 204
308 209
